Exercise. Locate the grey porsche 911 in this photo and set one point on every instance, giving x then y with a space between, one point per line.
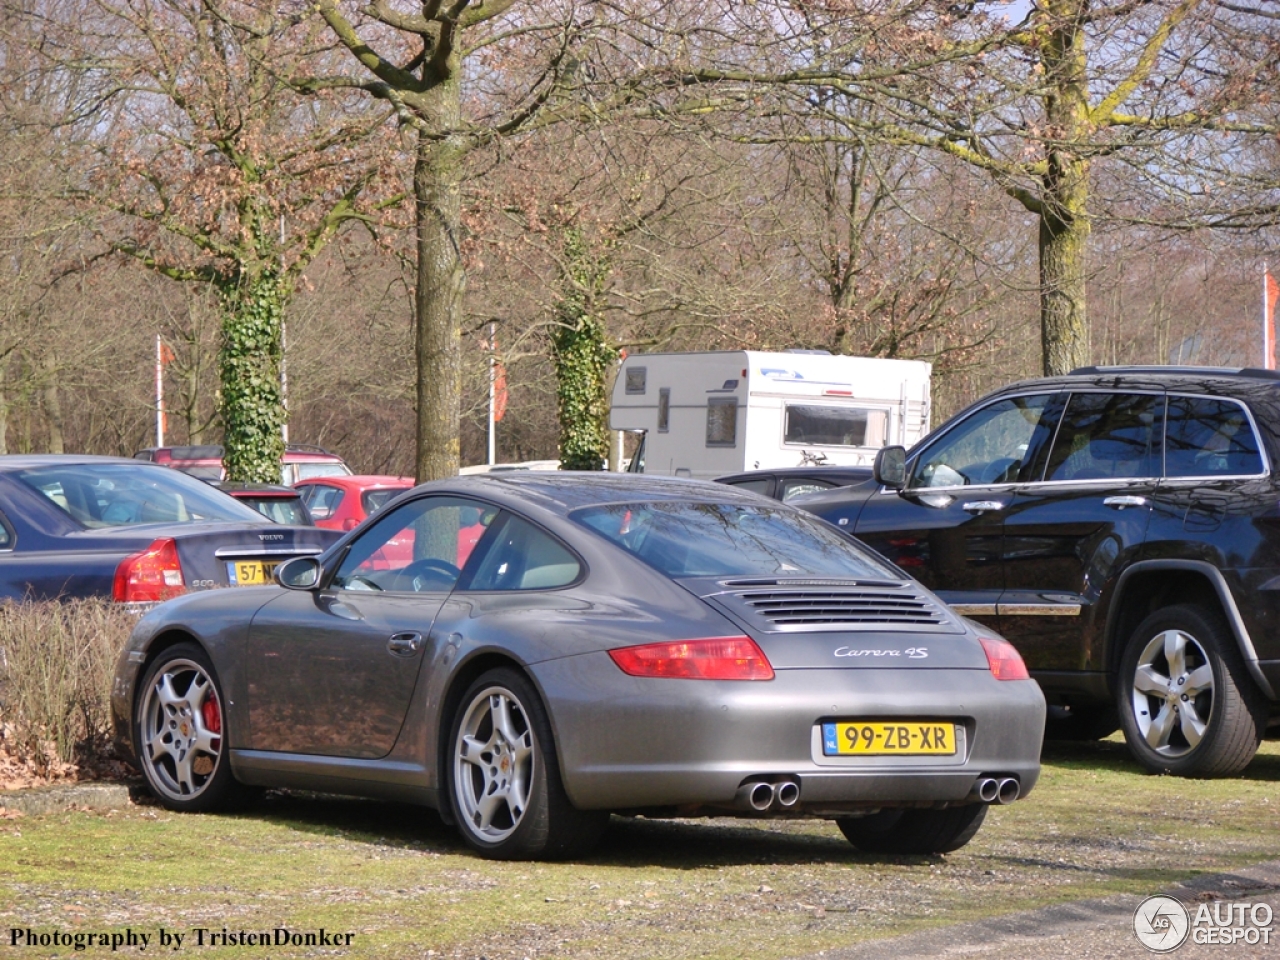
530 653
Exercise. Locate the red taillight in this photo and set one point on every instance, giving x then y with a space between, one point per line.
1004 660
154 574
716 658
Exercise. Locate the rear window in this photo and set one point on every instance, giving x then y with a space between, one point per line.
308 471
126 494
375 500
280 509
716 540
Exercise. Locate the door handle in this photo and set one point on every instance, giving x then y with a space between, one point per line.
982 506
405 644
1124 501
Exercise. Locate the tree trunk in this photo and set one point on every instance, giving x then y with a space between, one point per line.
249 367
1064 218
583 358
53 407
441 284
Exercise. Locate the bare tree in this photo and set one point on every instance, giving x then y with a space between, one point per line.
215 172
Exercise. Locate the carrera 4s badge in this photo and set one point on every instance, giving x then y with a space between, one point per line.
914 653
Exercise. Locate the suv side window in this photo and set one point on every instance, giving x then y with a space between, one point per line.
1107 435
991 446
1206 437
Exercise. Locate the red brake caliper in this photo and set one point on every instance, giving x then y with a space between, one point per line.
212 715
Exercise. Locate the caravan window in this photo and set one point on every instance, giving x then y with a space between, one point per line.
835 426
664 410
722 422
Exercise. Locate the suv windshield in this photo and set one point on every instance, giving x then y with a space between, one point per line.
124 494
718 540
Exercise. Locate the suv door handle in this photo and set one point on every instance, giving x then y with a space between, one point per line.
1124 501
982 506
405 644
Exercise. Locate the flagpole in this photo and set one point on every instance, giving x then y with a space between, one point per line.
493 376
159 391
1268 322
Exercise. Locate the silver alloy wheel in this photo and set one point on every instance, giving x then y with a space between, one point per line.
1173 693
493 764
181 729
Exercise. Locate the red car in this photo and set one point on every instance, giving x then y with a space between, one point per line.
340 503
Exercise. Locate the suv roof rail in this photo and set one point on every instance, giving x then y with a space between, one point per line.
307 448
1256 373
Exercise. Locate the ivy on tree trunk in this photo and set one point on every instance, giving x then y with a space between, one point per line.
251 399
583 358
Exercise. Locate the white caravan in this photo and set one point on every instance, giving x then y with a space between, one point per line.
710 414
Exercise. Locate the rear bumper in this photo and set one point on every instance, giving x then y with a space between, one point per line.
630 743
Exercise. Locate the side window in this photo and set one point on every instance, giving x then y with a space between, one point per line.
6 535
790 489
722 422
834 426
324 500
522 557
1107 435
1208 438
760 486
994 445
420 546
664 410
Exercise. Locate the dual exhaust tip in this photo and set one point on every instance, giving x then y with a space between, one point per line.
997 789
760 795
784 793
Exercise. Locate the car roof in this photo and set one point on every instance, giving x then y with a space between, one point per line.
1240 381
833 472
562 491
27 461
360 481
256 489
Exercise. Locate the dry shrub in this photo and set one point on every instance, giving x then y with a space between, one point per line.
56 664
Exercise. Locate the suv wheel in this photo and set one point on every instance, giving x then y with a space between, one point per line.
1187 705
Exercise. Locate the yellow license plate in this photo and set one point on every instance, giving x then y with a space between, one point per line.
861 739
249 573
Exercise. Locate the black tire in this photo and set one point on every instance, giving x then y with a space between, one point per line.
527 815
178 729
1080 723
914 831
1198 714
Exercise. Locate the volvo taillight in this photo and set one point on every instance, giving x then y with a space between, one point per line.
1005 662
714 658
152 575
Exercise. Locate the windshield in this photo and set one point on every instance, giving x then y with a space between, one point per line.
718 540
124 494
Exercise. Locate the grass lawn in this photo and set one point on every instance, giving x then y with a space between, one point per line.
404 886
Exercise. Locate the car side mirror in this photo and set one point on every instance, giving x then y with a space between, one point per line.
890 467
300 573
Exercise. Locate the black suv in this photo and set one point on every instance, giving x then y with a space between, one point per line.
1121 525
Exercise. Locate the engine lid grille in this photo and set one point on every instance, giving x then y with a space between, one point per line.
851 605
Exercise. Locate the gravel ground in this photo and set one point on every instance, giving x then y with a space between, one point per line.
1098 929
